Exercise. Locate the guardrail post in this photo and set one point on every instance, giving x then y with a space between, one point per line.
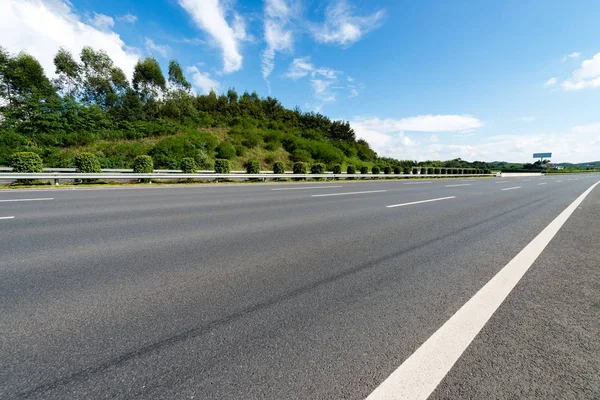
56 181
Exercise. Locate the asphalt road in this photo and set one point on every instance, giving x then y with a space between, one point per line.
293 291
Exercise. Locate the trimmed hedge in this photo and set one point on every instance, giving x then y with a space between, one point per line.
278 168
26 161
375 170
398 170
188 165
318 168
87 163
143 165
407 170
364 170
252 167
387 170
299 168
351 169
337 169
221 166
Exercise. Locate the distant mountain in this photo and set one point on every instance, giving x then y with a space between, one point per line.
580 165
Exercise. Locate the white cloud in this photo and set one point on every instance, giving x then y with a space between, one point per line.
152 48
528 118
550 82
299 68
591 128
202 80
573 55
40 27
343 28
278 33
128 18
586 76
422 123
579 144
209 15
102 21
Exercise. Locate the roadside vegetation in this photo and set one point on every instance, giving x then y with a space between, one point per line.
91 117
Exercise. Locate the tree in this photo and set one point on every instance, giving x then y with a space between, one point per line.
179 93
148 80
103 82
69 73
341 131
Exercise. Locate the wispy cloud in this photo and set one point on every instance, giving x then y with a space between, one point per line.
128 18
325 82
423 123
209 15
342 27
550 82
102 21
277 32
202 80
573 55
586 76
44 27
153 48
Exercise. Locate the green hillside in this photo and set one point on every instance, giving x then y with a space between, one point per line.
92 107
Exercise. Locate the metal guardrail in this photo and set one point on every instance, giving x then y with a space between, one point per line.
57 176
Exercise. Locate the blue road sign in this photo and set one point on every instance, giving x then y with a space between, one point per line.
542 155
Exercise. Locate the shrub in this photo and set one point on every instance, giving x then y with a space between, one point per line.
221 166
415 170
299 168
143 165
487 171
188 165
351 169
407 170
364 170
26 162
252 167
398 170
318 168
443 171
337 169
87 163
240 150
387 170
225 150
375 170
437 171
278 168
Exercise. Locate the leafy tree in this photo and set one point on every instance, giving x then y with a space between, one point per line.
69 73
103 82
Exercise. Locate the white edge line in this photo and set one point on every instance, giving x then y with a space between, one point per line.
502 182
306 188
512 188
343 194
417 183
36 199
419 202
6 217
420 374
461 184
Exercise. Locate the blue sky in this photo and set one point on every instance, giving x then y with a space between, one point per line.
480 80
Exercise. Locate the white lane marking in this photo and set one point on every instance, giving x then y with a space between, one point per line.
420 374
344 194
558 181
6 217
501 182
416 183
543 183
461 184
36 199
526 180
512 188
419 202
306 188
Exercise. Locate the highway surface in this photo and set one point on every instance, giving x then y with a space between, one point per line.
313 290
